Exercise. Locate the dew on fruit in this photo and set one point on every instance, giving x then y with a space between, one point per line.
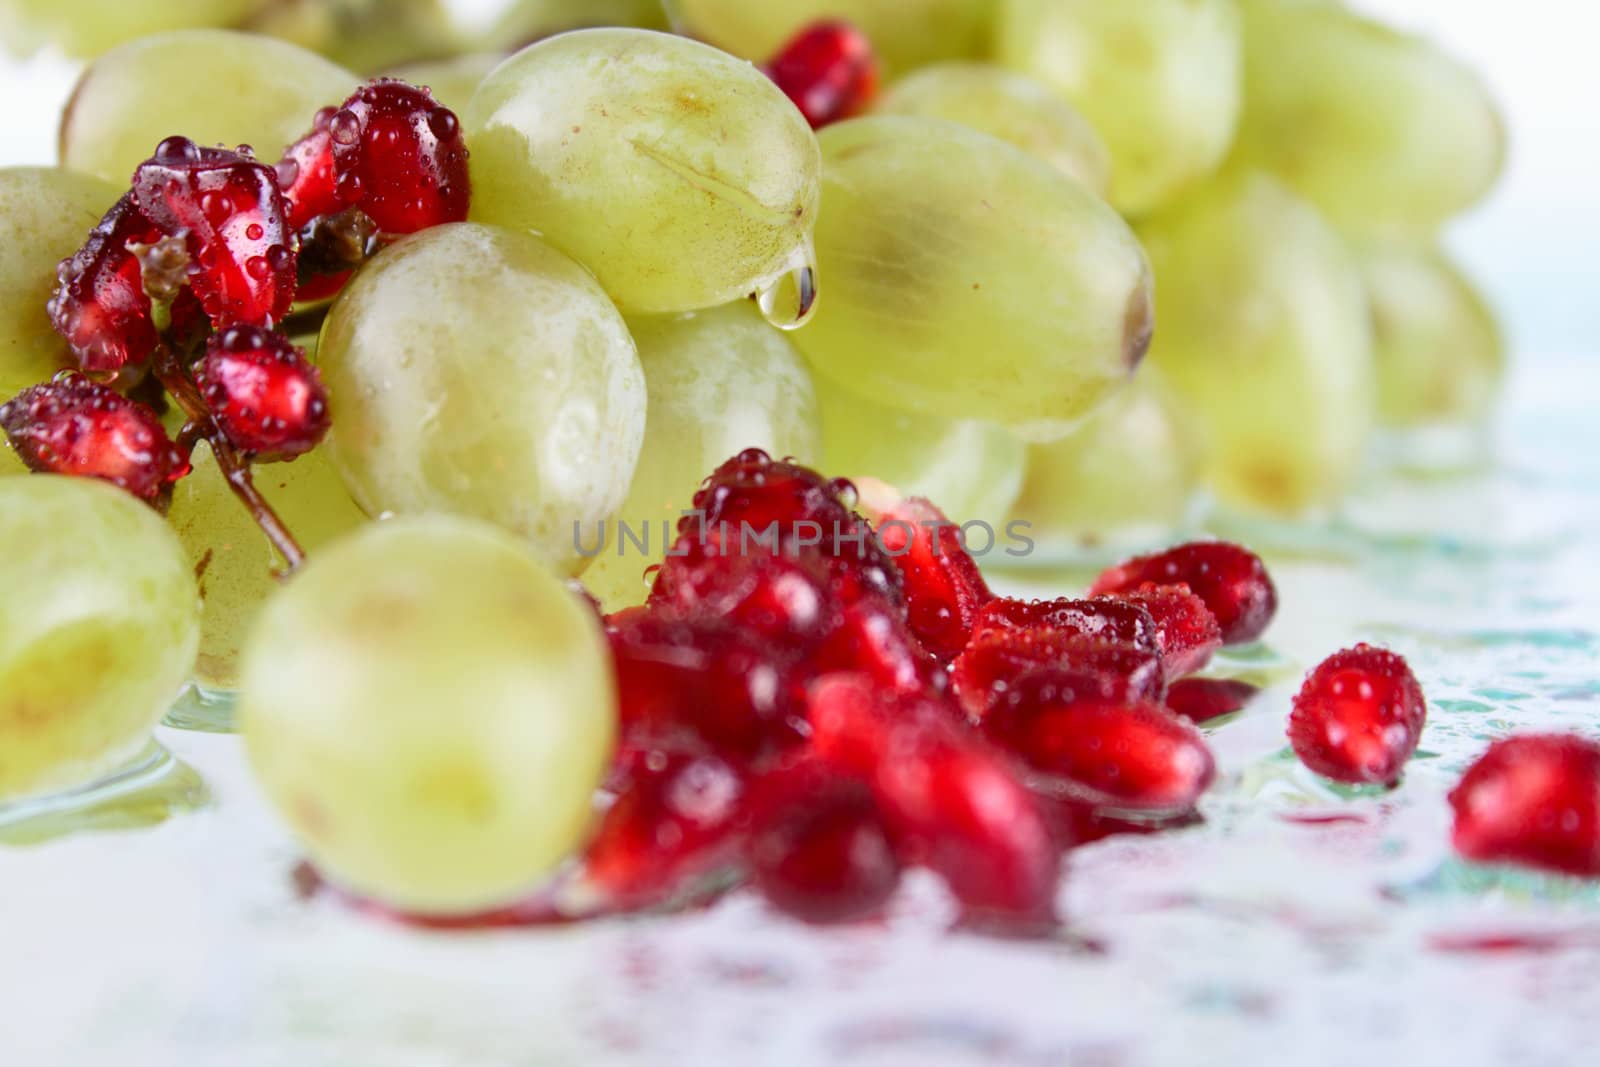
788 300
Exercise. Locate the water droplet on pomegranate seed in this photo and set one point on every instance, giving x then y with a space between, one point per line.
345 128
788 300
178 150
443 122
254 231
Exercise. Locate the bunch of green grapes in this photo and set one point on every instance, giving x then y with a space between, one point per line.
85 28
1440 353
44 214
681 176
971 469
718 382
1265 337
364 35
1010 106
212 86
905 33
1128 473
430 710
1159 79
478 371
234 563
526 21
98 629
1383 132
964 278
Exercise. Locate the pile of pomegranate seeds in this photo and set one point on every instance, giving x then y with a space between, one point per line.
829 70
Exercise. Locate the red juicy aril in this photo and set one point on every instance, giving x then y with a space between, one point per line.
1186 632
400 157
1231 580
1200 700
828 70
1358 717
307 175
1532 800
1103 619
869 637
1090 669
777 597
99 305
944 589
74 426
267 399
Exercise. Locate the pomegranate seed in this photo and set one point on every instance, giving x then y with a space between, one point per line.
400 156
1231 580
100 305
1075 823
227 208
74 426
870 639
1100 670
777 597
1103 619
829 70
1358 717
952 802
263 393
818 848
678 819
307 175
1532 800
1200 700
1186 631
1138 757
944 589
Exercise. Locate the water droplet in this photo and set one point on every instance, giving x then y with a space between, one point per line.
217 207
788 299
258 268
254 231
288 172
345 129
442 121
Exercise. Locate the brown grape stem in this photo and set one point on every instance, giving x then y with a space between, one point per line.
230 461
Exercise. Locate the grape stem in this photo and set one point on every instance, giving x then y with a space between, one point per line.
233 464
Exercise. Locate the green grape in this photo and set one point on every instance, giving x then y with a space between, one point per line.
1266 339
971 469
533 20
85 28
235 565
681 176
965 278
45 214
452 80
719 382
9 461
430 710
1010 106
1440 354
212 86
98 628
1128 473
905 33
1159 79
1380 130
480 372
363 35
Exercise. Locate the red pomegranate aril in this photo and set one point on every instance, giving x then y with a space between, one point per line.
777 597
818 849
870 639
1231 579
1076 823
266 397
943 587
829 70
1200 700
1186 632
1097 670
401 157
1358 717
308 177
1102 619
100 305
75 426
1532 800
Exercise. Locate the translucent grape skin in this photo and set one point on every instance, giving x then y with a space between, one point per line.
1440 353
972 470
1159 79
480 372
967 279
1266 340
98 630
212 86
1011 106
718 382
234 564
85 28
430 710
682 177
1383 132
45 214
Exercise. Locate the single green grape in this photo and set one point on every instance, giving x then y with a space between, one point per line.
85 28
1011 106
478 371
98 629
235 565
1440 353
965 278
906 34
1159 79
1379 129
1266 340
430 710
533 20
452 80
719 382
972 470
1127 474
681 176
211 86
45 215
363 35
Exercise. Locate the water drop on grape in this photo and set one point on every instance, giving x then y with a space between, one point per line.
787 300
